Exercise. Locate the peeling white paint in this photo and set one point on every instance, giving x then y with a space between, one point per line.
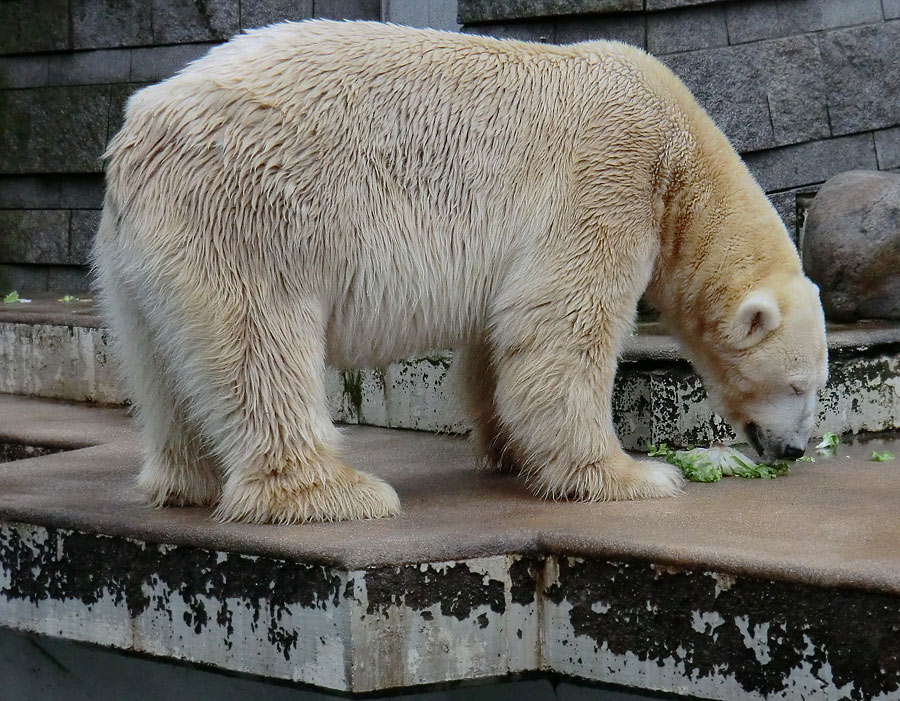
347 644
341 645
756 640
707 622
724 582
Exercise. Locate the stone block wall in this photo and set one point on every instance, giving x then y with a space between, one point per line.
803 88
66 69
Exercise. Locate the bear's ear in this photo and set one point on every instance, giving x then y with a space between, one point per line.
756 316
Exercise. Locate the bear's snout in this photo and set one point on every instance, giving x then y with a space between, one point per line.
753 435
792 452
769 448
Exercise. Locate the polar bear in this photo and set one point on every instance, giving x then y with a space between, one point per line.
354 192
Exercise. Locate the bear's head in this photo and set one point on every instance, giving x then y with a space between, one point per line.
764 361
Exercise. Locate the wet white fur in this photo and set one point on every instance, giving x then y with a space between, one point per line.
355 192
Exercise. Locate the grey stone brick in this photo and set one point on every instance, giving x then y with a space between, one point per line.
795 89
184 21
90 67
55 130
627 28
102 23
541 32
118 96
347 9
785 204
887 147
686 29
81 234
830 14
81 192
159 62
263 12
653 5
736 84
24 278
24 71
69 279
29 192
752 20
891 9
27 26
862 72
813 162
730 85
438 14
34 236
766 19
470 11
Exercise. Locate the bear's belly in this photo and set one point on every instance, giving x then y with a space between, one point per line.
363 334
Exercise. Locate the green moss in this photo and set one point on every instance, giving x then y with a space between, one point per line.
353 388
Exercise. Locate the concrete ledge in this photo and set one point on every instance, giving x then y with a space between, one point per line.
736 590
60 350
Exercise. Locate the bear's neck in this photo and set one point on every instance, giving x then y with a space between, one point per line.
720 237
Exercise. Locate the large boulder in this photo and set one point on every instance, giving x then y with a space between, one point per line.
851 246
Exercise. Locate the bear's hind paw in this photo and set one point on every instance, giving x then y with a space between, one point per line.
183 486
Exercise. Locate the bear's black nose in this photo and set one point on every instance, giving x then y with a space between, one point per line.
792 452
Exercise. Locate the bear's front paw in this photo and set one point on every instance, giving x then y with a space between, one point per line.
344 494
617 477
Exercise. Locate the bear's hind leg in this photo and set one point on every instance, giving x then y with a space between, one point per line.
261 400
478 381
554 398
175 469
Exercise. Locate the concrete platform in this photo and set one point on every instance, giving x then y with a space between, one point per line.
735 590
58 350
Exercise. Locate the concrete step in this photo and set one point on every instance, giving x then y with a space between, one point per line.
60 350
742 589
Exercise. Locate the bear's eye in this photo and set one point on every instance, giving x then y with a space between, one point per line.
797 389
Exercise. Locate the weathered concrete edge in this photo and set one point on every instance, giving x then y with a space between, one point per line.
630 622
650 342
657 399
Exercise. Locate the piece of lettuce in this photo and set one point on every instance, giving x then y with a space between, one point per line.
661 450
830 442
13 298
712 464
882 457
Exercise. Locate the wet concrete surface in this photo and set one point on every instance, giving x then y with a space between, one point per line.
835 522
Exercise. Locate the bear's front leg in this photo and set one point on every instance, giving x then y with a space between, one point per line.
554 390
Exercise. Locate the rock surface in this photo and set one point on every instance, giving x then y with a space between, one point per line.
851 247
